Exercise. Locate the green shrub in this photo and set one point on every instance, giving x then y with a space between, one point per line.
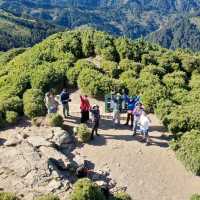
12 104
155 70
188 148
127 75
7 196
127 64
152 95
195 197
55 120
148 59
177 120
34 105
11 117
83 133
85 189
122 196
45 77
84 64
48 197
94 83
195 81
163 109
179 95
184 118
110 68
190 63
175 80
130 82
109 53
147 80
72 76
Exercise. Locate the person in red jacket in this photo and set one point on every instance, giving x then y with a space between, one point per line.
85 109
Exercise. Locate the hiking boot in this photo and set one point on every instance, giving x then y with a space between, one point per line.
134 133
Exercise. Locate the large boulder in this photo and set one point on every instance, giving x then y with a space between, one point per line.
61 137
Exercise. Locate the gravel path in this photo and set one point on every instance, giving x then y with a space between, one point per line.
149 172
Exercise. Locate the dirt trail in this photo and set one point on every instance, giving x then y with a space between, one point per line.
150 173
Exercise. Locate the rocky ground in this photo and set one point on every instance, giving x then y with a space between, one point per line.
39 160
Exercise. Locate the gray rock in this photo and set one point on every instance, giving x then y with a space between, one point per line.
38 141
13 141
61 137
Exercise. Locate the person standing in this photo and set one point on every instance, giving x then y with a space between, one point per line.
137 112
65 99
85 108
51 103
144 127
95 120
116 112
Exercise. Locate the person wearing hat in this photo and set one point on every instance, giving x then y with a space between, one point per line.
95 120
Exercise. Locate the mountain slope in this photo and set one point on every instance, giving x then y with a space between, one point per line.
132 18
17 31
183 32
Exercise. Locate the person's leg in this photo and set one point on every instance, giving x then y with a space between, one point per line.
131 115
82 116
67 108
127 119
97 126
64 109
93 129
147 137
134 127
87 116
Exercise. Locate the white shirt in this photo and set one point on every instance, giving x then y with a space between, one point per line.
144 122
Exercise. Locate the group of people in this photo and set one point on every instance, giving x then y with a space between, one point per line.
135 111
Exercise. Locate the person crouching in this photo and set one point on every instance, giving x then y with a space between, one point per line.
95 120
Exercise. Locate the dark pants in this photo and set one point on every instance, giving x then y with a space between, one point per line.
129 117
95 126
65 109
84 116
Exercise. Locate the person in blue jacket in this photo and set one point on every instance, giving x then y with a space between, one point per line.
132 102
65 99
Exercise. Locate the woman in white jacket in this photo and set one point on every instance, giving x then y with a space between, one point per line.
144 127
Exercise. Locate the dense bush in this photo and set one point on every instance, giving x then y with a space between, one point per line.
45 78
191 63
127 64
55 120
122 196
11 117
48 197
195 197
12 104
187 150
175 80
163 108
7 196
152 95
195 81
155 70
95 84
110 68
85 189
72 76
179 95
83 133
34 106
